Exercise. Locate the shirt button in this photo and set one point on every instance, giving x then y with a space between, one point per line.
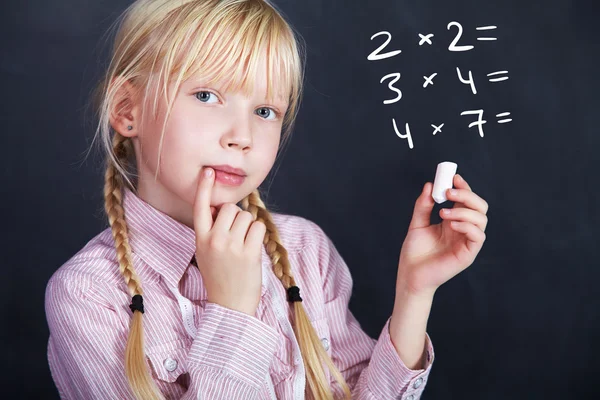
325 342
411 397
418 382
297 360
170 364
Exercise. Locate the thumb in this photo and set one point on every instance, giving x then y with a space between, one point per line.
423 206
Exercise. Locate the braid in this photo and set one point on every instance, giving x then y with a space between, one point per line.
278 254
311 347
113 198
138 376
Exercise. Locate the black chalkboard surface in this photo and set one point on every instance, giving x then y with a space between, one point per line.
508 90
522 321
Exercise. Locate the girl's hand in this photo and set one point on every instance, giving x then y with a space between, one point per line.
228 252
432 254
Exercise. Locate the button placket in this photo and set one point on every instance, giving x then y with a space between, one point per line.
187 312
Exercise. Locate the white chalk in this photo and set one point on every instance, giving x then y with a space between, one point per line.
444 178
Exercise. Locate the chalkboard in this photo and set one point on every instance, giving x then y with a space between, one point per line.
392 89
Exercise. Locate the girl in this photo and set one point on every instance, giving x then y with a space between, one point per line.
194 290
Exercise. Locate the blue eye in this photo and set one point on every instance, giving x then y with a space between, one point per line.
204 95
271 111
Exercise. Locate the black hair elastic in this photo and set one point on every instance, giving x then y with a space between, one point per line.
294 294
137 303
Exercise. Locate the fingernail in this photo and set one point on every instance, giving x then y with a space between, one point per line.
459 177
208 172
453 192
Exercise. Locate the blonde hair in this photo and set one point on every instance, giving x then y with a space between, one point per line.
215 39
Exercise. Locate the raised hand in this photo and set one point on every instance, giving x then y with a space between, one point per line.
433 254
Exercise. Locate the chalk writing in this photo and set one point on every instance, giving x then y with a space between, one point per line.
465 77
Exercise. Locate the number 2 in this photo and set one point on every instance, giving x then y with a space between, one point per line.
375 53
453 46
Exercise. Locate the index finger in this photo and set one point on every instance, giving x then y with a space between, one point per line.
468 199
203 215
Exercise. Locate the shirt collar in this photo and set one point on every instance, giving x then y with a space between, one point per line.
164 243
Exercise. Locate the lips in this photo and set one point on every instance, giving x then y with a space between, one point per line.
229 169
228 179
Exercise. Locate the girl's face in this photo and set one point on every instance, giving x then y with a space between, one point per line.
207 126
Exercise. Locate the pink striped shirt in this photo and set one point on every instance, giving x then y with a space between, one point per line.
201 350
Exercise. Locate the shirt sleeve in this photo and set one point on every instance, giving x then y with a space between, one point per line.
372 368
229 358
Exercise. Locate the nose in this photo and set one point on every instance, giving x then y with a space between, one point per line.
239 135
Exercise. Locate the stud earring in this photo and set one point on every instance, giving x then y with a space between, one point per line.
129 127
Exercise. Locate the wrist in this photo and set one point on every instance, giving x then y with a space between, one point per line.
408 305
409 283
406 292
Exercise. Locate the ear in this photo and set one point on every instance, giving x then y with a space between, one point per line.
125 110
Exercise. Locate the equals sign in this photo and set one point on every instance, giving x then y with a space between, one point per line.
498 73
486 28
504 114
